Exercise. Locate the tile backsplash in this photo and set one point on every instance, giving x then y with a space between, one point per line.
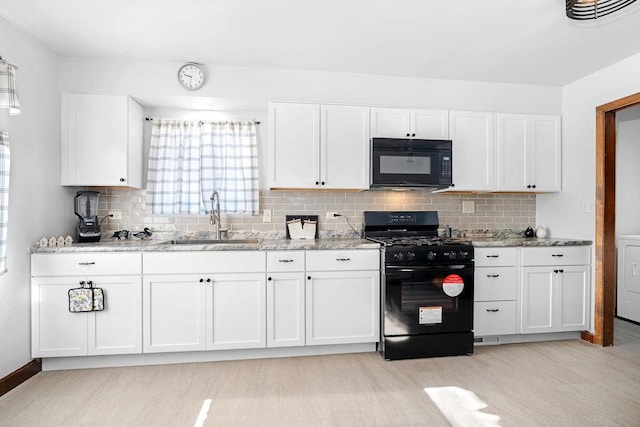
492 211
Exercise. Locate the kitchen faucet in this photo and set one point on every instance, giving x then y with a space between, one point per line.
214 218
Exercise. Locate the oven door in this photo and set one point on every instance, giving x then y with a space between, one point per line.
425 300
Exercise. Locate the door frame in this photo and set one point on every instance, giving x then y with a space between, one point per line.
605 210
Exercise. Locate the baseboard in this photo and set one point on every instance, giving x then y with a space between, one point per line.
19 376
587 336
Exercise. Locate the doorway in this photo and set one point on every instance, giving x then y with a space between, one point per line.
605 268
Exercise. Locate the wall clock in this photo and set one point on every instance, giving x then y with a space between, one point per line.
191 76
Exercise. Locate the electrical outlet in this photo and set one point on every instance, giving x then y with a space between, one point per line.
266 215
330 214
586 206
116 214
468 206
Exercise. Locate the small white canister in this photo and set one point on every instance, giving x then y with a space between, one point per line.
541 232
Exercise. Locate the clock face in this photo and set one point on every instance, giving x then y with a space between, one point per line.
191 76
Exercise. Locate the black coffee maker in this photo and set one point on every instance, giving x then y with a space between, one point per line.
86 204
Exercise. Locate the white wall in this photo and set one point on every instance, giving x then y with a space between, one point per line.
38 205
562 212
155 84
628 171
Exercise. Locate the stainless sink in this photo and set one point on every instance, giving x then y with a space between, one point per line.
211 241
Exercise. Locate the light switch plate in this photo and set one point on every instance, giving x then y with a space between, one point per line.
266 215
468 206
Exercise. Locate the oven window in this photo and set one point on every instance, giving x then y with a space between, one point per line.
414 296
415 165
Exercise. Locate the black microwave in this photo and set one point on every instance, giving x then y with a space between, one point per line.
403 162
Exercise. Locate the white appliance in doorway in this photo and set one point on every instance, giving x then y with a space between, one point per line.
628 292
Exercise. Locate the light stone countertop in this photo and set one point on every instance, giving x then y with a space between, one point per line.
163 245
497 242
152 245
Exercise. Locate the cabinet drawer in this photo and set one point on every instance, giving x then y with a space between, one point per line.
494 318
492 257
285 261
204 262
495 283
343 260
77 264
557 255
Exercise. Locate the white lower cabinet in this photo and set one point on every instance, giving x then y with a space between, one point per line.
285 299
235 311
200 305
555 298
174 313
343 305
57 332
495 294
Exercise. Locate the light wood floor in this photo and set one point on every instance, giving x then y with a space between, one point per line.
566 383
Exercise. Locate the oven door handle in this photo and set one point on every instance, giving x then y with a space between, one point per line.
405 269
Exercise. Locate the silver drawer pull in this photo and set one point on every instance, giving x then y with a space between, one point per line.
87 263
493 275
493 310
343 259
493 256
557 255
285 260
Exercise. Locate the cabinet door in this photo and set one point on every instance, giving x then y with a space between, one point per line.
545 156
513 153
118 328
294 145
97 140
173 313
344 147
285 309
537 300
430 124
236 315
55 331
342 307
472 136
573 298
494 318
390 122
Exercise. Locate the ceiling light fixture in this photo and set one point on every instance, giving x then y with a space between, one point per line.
592 9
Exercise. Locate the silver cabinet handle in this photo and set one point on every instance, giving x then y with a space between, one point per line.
343 259
493 310
87 263
285 260
493 275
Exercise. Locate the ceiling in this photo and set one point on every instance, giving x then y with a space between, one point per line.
529 42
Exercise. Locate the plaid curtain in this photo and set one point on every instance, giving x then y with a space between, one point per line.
190 160
230 165
174 167
4 198
8 94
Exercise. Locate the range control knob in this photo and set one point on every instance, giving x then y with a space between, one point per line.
452 255
411 256
431 255
399 256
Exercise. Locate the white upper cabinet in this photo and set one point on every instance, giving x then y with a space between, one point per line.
473 154
528 153
318 147
409 123
344 147
101 141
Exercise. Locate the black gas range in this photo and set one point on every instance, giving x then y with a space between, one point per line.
427 286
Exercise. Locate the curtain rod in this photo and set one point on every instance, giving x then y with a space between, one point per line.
4 61
149 119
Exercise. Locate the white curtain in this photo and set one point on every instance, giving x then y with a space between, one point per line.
4 198
189 160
